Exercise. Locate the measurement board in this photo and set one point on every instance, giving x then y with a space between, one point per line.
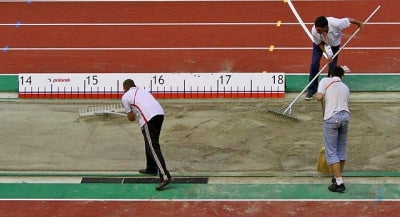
161 85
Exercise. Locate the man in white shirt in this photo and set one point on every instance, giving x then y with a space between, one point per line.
336 123
141 104
327 35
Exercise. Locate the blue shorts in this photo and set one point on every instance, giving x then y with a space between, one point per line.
335 137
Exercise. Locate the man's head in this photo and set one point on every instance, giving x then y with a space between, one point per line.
337 71
321 24
128 83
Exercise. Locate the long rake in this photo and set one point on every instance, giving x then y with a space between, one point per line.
286 111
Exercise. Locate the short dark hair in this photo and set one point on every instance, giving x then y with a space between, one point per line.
321 21
337 71
128 83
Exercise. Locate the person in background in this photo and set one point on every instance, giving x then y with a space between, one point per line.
327 35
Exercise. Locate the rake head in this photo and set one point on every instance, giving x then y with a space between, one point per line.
114 109
284 112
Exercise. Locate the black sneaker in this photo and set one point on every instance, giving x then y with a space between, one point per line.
333 180
148 172
163 184
337 188
309 97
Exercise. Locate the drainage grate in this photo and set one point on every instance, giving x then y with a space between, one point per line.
138 180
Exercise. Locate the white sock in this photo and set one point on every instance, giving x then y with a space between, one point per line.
339 180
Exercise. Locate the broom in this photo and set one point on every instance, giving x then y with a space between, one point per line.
322 164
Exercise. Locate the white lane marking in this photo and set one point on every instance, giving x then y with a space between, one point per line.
173 24
180 48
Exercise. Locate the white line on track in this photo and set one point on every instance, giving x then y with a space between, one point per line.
172 24
181 48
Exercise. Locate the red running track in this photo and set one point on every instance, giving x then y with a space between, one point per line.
197 208
24 53
146 46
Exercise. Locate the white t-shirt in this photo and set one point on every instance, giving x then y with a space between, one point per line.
336 95
334 35
142 103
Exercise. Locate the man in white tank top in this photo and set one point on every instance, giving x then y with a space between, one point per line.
141 104
336 123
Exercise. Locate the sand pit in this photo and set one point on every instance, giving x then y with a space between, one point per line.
198 136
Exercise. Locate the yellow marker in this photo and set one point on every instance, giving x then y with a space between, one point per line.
264 72
285 1
278 23
271 48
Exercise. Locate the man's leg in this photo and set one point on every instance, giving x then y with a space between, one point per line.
151 166
330 132
337 170
344 119
153 130
342 162
314 69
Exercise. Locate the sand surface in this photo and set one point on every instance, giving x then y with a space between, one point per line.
199 135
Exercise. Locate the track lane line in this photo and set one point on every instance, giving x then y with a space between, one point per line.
175 24
184 48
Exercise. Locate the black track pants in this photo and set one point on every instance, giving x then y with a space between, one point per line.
155 160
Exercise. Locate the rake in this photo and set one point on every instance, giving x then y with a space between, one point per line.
286 111
113 109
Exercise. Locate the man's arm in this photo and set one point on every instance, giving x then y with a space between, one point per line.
356 22
127 106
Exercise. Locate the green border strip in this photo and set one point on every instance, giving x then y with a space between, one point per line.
373 192
9 83
294 82
355 82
